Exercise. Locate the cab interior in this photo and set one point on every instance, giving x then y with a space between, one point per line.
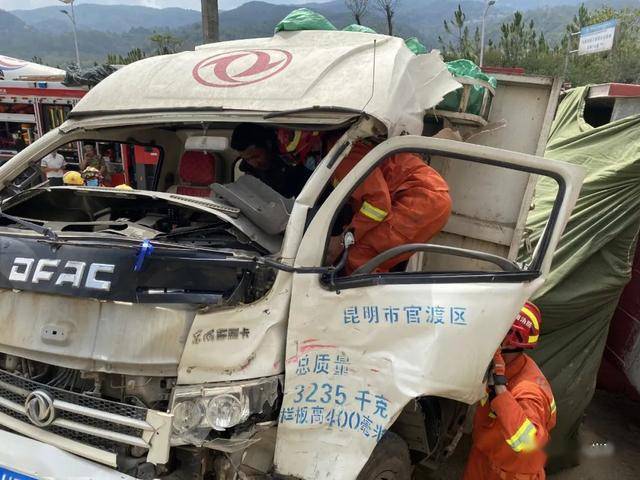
188 159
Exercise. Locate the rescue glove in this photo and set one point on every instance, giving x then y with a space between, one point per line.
499 369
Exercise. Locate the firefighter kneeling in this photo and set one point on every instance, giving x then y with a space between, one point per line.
512 423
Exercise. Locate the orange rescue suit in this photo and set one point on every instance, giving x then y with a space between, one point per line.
510 430
402 201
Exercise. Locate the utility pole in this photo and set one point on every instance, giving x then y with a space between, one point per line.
210 26
487 4
570 38
72 17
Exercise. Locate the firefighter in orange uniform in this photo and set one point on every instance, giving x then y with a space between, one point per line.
402 201
512 423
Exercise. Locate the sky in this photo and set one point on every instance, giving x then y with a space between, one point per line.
191 4
29 4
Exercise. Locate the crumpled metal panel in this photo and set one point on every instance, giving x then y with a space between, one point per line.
93 335
355 359
240 342
288 71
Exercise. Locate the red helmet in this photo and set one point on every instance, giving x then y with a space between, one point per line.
297 144
525 329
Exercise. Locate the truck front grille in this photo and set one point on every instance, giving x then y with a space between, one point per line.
83 424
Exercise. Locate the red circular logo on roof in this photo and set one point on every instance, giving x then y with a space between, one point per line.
8 63
241 67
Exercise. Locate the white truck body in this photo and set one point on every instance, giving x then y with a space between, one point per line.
347 379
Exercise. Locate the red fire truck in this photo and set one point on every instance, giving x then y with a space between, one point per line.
32 101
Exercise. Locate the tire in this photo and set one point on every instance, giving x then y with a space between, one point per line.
389 460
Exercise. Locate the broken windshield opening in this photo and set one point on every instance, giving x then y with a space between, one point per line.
85 212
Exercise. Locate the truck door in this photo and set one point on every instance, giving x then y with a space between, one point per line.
360 347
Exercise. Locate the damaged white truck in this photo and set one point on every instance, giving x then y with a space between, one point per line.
191 328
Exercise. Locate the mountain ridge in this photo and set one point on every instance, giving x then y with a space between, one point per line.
108 18
46 33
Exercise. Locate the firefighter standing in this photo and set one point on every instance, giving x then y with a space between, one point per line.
512 423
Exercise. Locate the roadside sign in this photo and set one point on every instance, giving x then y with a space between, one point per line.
597 38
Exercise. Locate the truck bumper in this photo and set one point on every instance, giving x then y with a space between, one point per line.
41 461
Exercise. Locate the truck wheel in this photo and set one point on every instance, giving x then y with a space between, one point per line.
389 460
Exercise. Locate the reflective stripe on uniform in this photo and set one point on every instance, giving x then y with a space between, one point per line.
374 213
291 146
524 440
553 406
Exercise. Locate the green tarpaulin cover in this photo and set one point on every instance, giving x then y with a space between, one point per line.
594 258
304 19
415 46
466 68
354 27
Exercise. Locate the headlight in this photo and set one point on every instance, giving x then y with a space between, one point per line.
199 409
227 410
188 415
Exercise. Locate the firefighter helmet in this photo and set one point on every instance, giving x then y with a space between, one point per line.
525 329
297 144
72 178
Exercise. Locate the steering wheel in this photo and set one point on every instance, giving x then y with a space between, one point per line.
375 262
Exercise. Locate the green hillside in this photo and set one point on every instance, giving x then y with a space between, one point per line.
107 18
104 29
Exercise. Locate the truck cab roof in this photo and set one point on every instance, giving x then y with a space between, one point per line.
326 72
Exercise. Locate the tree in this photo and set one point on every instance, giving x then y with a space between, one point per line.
621 64
133 56
517 39
358 8
165 43
210 21
581 19
543 46
462 46
388 7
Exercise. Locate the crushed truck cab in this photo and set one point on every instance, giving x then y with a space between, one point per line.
193 327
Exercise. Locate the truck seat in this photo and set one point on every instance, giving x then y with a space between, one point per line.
196 172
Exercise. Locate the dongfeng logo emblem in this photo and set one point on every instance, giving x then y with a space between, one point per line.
39 408
241 67
8 63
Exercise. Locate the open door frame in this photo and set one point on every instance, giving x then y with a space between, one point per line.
360 349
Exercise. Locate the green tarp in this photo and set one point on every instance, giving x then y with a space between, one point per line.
415 46
354 27
593 261
304 19
466 68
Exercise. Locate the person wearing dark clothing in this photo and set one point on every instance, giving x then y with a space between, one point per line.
259 149
20 143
